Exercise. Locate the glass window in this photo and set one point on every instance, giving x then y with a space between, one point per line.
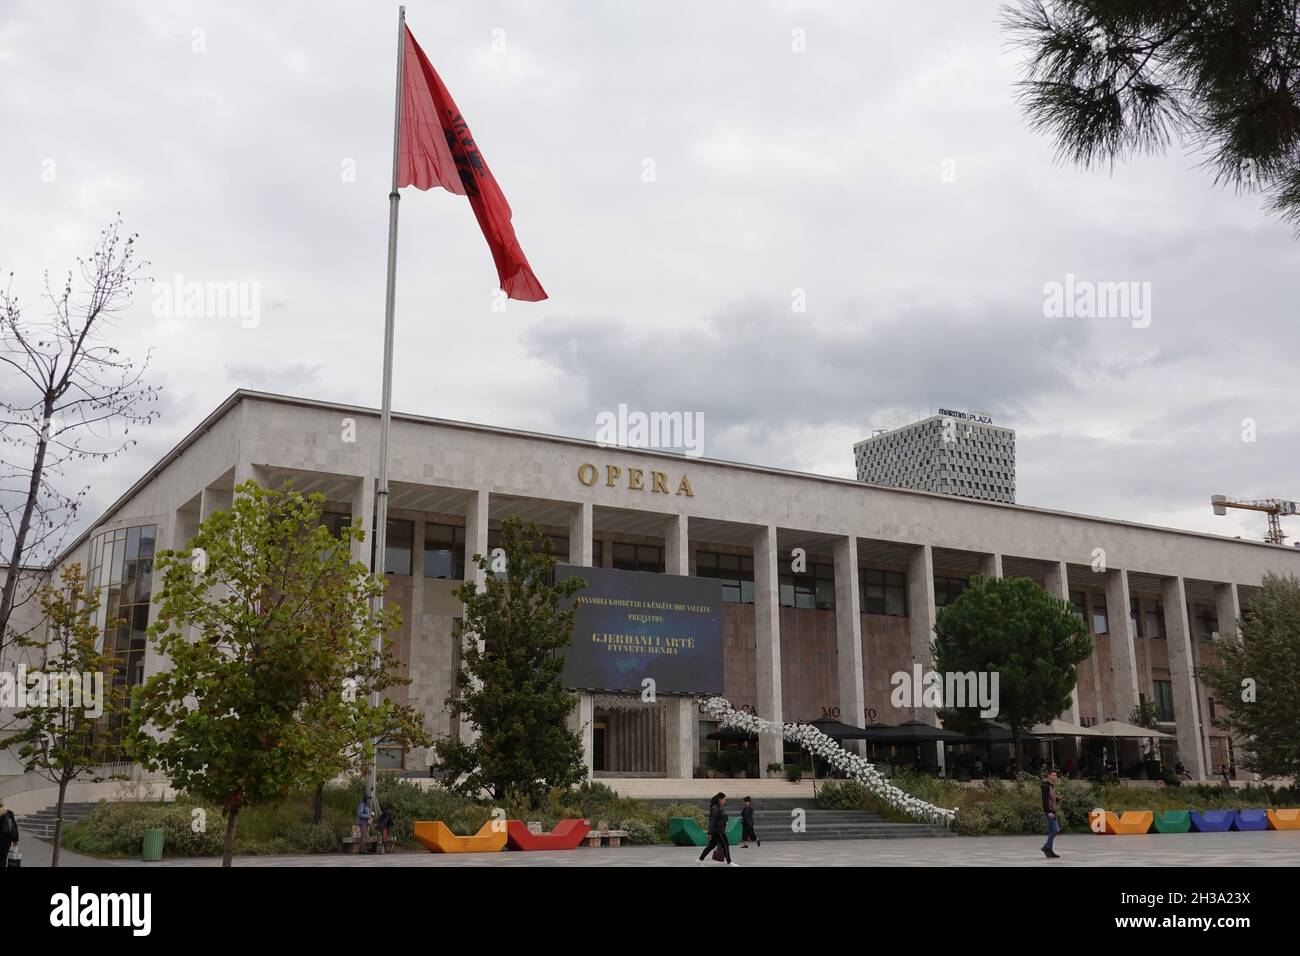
397 546
883 592
1077 605
1100 619
336 522
444 551
1155 621
1164 698
947 590
121 562
638 557
813 589
736 572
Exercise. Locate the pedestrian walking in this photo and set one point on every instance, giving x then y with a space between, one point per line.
718 829
8 833
1049 811
747 824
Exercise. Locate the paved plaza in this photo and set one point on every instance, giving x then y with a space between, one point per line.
1267 848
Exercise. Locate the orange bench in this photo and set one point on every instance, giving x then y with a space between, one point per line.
1128 823
435 837
1283 819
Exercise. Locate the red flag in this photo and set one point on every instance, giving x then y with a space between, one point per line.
437 149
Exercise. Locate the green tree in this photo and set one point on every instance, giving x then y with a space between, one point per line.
1257 678
1112 78
518 625
74 720
1031 639
269 694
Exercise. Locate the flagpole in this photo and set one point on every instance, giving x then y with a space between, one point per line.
386 412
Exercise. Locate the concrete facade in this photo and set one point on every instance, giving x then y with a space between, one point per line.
952 453
788 654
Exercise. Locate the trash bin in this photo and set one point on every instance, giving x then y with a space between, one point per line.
153 845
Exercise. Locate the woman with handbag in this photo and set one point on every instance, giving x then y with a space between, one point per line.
8 833
718 831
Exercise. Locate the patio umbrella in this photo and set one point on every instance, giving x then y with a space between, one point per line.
998 734
838 730
915 732
1063 728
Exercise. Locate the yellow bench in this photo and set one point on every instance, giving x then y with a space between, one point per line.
435 837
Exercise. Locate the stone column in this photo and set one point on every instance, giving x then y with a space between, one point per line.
991 565
681 727
1187 711
848 637
1123 654
677 551
476 542
767 640
680 713
580 552
580 534
246 471
363 508
580 719
1056 579
1227 608
921 613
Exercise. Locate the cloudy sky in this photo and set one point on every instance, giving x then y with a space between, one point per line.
681 173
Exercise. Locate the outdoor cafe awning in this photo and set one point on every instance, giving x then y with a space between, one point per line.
1063 728
1117 728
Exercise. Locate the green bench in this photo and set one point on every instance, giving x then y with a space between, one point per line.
1172 821
684 831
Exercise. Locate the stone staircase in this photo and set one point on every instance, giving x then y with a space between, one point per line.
41 823
773 818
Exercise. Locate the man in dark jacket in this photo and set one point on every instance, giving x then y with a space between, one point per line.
8 833
747 825
717 829
1049 811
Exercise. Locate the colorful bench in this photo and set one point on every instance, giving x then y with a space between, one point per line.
436 838
566 836
1284 819
1172 821
1128 823
1250 820
1212 821
684 831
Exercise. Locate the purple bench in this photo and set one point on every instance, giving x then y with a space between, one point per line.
1251 820
1212 821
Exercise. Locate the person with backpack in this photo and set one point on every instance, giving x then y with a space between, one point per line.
8 833
364 815
718 831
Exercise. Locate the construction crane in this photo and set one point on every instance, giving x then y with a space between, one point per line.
1273 507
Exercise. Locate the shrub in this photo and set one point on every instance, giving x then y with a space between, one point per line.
793 772
639 832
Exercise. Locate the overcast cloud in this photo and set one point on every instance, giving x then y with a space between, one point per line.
885 172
